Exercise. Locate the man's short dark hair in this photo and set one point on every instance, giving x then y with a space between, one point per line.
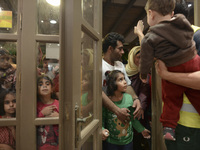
181 8
111 40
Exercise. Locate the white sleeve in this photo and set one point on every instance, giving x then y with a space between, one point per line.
126 76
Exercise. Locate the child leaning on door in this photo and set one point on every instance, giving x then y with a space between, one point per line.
46 107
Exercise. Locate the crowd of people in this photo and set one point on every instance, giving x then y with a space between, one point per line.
179 53
172 42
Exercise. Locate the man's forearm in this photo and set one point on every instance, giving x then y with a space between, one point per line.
131 92
191 80
108 103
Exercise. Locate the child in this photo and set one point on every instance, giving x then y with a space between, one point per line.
7 110
119 135
7 72
170 40
87 96
47 107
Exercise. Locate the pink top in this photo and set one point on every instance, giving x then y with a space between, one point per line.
6 136
47 134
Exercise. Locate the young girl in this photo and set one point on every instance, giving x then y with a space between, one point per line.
47 107
7 110
119 136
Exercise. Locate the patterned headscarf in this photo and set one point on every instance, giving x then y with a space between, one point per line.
131 68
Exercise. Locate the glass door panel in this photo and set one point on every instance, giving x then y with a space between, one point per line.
48 17
8 16
87 68
8 99
88 11
47 137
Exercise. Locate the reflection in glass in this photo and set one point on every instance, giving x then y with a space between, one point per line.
48 80
87 65
47 137
88 145
8 65
8 16
7 138
88 11
48 17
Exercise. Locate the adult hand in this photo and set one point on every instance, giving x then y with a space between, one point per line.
123 115
143 80
161 69
138 113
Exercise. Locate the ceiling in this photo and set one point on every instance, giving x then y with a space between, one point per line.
121 16
118 16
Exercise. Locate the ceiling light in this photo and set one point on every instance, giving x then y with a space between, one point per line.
53 21
53 2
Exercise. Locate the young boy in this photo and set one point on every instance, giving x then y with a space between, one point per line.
170 40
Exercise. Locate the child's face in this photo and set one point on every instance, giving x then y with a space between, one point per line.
4 62
44 87
45 64
121 83
9 104
85 82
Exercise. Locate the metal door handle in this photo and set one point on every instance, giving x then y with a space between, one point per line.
84 119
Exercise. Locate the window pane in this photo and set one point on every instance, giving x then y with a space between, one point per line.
48 17
88 145
87 67
88 11
48 80
47 137
8 16
8 65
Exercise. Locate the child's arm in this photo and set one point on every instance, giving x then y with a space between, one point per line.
46 111
140 128
146 134
54 114
139 30
5 147
105 132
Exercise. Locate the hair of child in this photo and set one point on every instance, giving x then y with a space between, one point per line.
4 52
43 76
163 7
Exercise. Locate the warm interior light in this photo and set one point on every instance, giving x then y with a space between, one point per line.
53 21
54 2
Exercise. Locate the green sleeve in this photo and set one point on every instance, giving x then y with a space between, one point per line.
103 117
138 126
